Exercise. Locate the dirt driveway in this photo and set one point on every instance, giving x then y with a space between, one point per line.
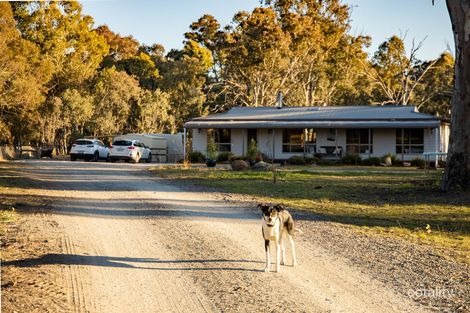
116 239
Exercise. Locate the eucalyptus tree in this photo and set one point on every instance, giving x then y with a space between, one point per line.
115 93
23 74
457 173
65 38
184 74
434 94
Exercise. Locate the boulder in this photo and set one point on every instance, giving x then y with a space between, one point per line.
262 167
239 165
388 161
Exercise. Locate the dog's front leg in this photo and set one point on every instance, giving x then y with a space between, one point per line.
268 258
278 256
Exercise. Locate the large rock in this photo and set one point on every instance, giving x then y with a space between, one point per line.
388 161
262 167
239 165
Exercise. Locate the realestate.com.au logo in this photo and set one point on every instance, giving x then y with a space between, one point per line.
431 293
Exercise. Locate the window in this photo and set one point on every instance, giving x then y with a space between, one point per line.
359 141
410 140
293 140
310 140
221 138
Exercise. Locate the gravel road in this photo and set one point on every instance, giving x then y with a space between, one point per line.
131 242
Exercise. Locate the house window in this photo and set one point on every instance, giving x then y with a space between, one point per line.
310 140
221 138
410 140
359 141
293 140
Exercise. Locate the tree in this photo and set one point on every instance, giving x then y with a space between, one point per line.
256 62
77 110
184 74
143 68
115 93
394 74
325 56
120 48
299 47
65 38
434 94
23 75
156 114
457 172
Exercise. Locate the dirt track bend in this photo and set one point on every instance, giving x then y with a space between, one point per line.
135 243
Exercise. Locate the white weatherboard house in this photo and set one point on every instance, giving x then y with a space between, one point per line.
330 132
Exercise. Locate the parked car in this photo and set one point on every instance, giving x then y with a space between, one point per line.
129 150
89 149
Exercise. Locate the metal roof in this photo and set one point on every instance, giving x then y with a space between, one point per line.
317 117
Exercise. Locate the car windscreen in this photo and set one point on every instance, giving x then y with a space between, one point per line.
122 143
83 142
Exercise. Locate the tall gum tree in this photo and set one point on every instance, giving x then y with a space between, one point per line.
457 172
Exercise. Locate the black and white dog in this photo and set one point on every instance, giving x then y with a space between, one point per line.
277 222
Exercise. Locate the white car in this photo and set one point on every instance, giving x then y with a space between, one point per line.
89 149
129 150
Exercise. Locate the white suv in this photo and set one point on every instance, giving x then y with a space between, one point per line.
89 149
129 150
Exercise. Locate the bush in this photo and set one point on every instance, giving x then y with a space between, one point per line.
196 157
418 162
393 158
224 157
373 161
211 150
296 160
312 160
351 159
252 150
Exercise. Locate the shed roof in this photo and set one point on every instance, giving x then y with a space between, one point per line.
317 117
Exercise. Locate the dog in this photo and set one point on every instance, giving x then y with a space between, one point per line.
277 222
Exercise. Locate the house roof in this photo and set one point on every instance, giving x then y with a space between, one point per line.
317 117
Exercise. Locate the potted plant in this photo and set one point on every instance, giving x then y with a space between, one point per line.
252 152
211 155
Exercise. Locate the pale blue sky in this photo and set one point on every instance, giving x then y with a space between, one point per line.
165 22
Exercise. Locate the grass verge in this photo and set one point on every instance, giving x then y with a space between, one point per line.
393 202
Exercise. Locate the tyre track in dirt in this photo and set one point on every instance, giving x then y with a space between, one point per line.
134 243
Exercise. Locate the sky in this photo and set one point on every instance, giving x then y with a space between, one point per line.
165 22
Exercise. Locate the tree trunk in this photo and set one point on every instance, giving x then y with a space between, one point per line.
457 173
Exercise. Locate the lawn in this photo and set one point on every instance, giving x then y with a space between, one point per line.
387 201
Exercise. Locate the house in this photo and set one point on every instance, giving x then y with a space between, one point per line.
330 132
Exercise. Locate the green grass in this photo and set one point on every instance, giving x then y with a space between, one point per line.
393 201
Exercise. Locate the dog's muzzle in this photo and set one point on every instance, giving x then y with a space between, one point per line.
272 223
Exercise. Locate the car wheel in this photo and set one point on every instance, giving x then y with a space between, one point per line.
96 156
149 158
108 158
73 158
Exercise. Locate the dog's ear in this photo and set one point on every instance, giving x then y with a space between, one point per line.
280 207
263 207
